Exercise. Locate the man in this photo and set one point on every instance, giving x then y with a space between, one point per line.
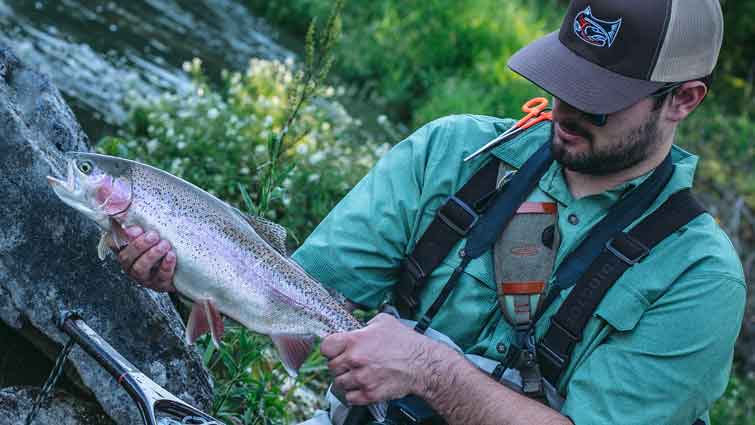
658 349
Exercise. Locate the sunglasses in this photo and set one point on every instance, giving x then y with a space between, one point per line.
599 120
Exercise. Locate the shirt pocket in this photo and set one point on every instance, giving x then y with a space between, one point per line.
622 307
469 307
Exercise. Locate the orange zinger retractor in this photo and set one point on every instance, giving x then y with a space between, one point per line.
536 109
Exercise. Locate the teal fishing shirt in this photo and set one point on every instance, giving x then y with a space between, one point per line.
659 347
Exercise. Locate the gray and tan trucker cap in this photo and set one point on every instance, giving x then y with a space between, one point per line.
609 54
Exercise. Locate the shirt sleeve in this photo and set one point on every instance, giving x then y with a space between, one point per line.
672 366
358 247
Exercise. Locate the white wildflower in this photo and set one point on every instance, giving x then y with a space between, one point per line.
151 145
316 157
180 145
212 113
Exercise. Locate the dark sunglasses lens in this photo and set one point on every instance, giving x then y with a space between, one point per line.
598 120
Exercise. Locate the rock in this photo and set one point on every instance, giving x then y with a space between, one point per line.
60 408
48 258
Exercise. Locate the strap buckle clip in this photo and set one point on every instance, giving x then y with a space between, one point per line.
637 249
557 360
462 229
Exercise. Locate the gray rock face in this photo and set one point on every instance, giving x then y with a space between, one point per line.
60 409
48 257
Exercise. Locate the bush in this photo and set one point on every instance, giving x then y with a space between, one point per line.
737 406
218 139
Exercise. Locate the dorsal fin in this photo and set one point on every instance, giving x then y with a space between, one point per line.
272 233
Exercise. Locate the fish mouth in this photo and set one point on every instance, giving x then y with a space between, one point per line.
68 185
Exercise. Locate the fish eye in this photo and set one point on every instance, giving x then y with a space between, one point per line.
85 167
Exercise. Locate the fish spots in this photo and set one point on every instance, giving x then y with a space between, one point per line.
220 254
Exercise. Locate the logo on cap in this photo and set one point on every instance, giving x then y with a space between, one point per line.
594 31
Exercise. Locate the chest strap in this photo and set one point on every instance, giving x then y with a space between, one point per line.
452 222
619 254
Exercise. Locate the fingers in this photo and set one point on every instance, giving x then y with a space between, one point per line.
136 248
162 280
333 345
338 367
359 398
347 381
128 234
141 269
148 260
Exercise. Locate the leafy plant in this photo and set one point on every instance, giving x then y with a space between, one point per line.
737 406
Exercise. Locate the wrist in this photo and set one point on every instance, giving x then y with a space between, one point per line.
438 366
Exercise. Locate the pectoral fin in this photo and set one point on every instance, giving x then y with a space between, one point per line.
293 350
204 317
102 246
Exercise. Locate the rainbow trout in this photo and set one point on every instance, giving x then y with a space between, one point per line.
228 263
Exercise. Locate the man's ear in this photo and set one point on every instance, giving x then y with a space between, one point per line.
685 99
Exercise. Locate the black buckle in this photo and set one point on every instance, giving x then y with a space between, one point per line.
634 244
557 360
414 268
466 208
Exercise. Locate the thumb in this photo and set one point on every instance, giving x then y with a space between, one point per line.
333 345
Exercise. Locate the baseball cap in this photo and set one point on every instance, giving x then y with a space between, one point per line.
609 54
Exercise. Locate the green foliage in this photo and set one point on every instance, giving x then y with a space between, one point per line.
724 140
252 388
737 406
424 59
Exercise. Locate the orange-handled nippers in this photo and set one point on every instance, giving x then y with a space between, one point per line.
536 109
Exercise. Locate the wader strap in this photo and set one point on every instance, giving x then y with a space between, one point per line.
451 223
620 253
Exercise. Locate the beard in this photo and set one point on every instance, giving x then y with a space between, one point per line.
628 151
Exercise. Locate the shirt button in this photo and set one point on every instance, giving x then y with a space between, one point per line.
501 347
573 219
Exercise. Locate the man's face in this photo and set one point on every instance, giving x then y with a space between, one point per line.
629 137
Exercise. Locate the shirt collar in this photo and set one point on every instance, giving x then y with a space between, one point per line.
515 152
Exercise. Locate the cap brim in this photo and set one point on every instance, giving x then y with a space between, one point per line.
549 64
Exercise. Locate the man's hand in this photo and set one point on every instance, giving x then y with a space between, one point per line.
147 259
383 361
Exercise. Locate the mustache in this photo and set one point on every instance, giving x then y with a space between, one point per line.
573 126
